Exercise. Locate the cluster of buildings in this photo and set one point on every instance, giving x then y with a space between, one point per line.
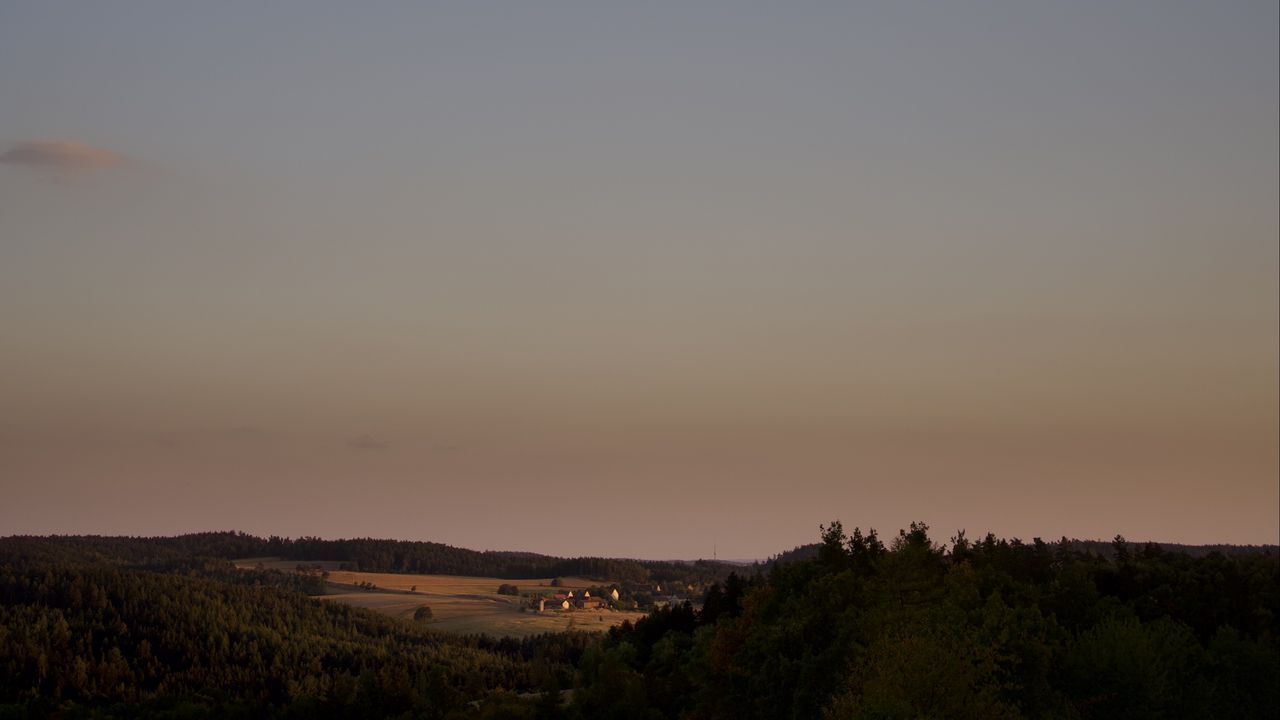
571 601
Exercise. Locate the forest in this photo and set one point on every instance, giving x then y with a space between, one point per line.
203 639
857 628
992 629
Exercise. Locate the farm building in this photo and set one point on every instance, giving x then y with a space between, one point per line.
559 602
568 601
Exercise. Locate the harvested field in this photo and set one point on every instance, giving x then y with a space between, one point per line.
459 604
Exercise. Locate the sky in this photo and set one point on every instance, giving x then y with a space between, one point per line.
660 280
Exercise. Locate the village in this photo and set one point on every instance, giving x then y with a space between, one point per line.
615 597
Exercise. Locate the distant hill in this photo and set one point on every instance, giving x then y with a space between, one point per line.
366 554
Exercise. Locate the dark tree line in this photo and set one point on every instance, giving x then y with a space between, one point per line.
1098 547
372 555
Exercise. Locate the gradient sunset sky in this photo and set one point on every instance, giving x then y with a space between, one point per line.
640 279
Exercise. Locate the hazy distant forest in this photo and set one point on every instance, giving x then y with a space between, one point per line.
854 627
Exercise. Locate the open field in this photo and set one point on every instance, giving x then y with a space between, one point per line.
454 584
459 604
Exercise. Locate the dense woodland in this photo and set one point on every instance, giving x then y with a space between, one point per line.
992 629
166 627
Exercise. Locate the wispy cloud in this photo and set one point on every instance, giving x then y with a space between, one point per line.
365 442
59 154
